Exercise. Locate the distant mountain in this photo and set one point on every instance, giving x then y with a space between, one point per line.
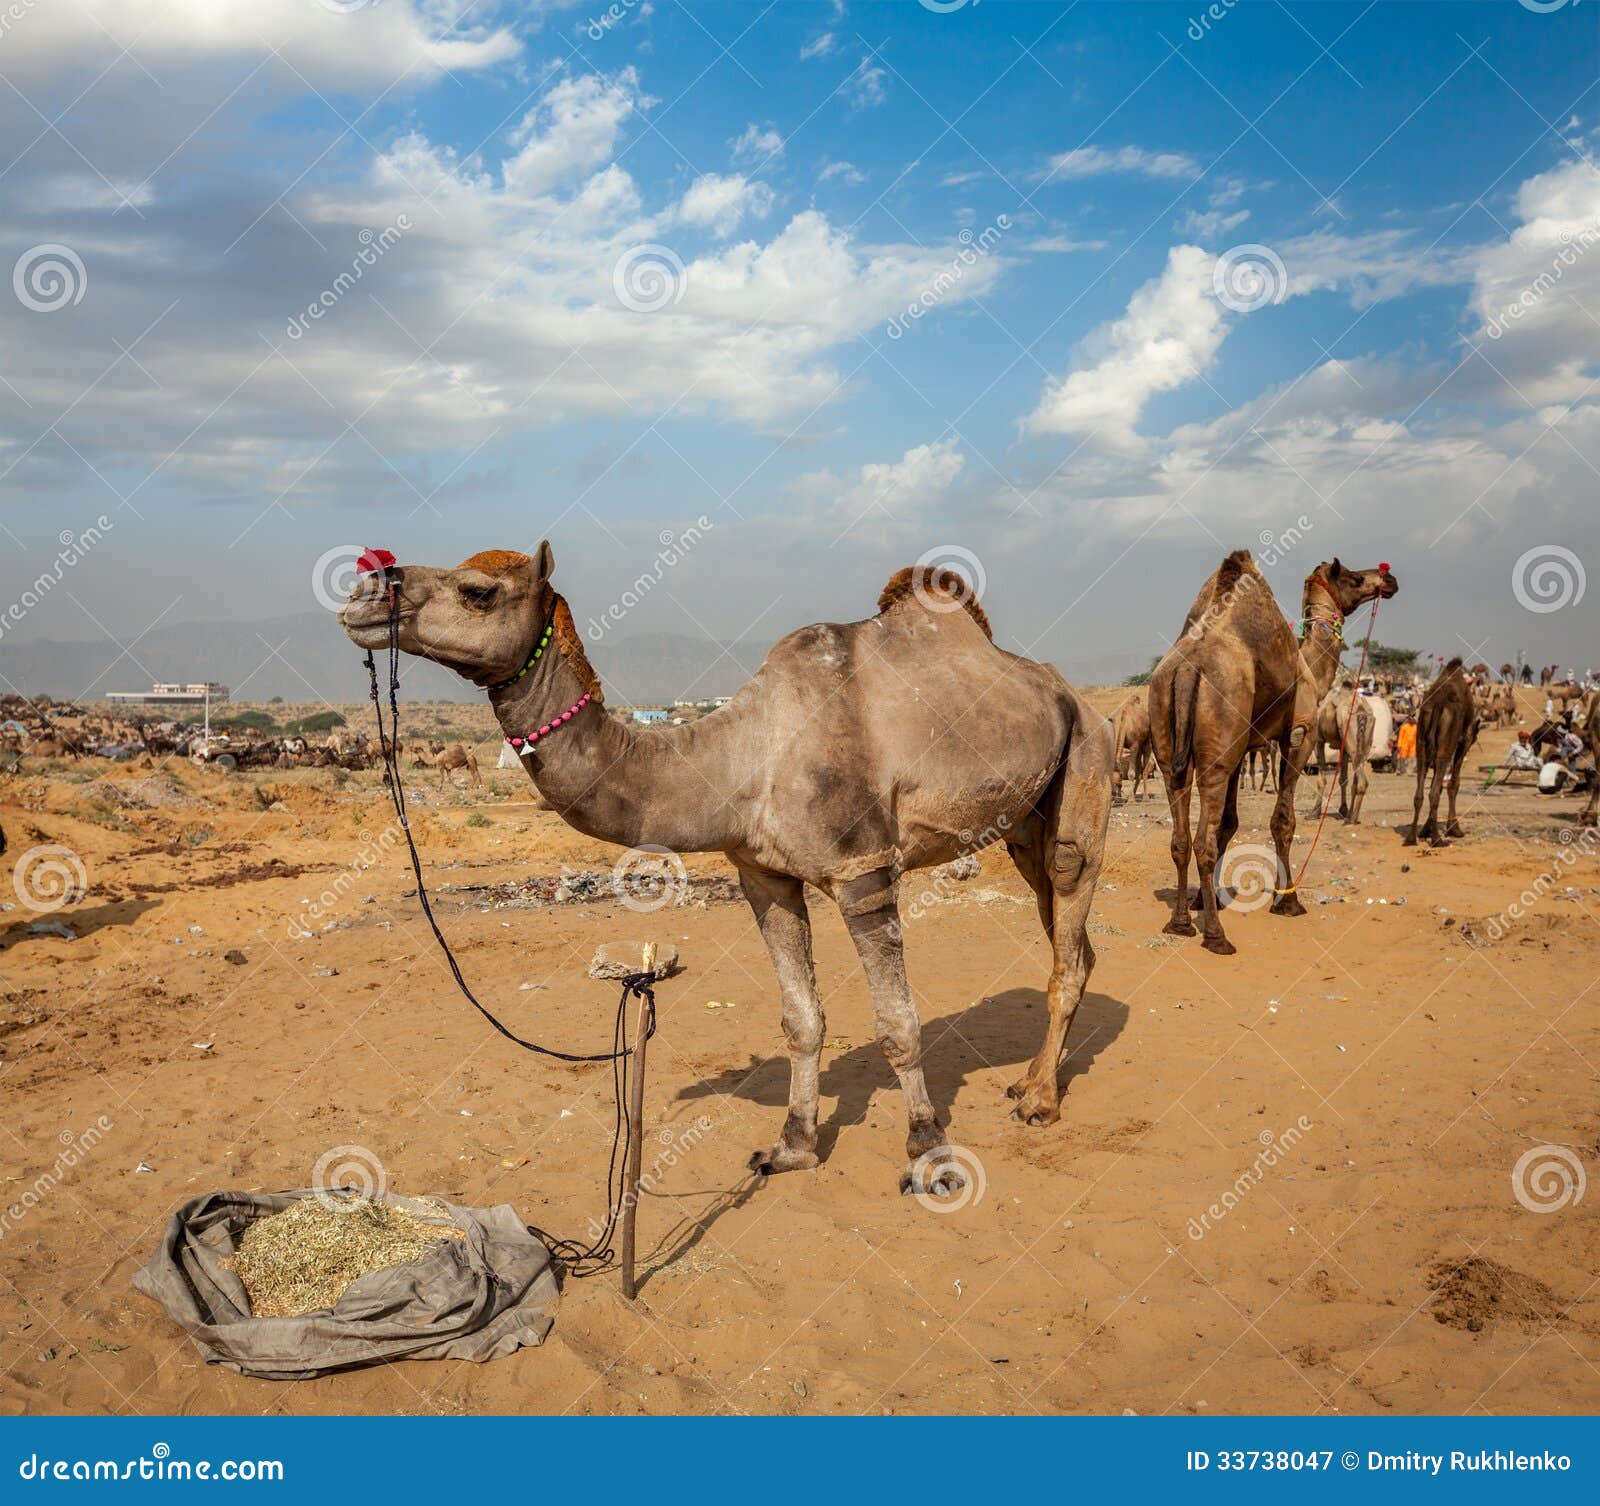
306 657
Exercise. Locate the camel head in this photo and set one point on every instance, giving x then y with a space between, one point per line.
1349 588
480 619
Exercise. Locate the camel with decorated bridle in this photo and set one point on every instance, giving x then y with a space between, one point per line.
859 752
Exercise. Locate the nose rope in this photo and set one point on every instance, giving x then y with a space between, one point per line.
581 1260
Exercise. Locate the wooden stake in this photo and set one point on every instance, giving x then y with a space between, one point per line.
630 1208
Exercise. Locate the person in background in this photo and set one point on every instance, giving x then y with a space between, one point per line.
1405 745
1520 754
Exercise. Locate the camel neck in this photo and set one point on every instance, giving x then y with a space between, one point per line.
1321 647
608 778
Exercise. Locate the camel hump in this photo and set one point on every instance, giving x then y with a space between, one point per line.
1236 564
1455 663
930 581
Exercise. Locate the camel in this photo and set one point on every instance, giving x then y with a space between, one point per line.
1236 681
1565 694
1527 674
1508 673
1130 737
1546 675
1263 758
857 753
448 760
1345 731
1447 725
1588 728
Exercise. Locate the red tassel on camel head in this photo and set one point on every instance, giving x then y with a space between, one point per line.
374 562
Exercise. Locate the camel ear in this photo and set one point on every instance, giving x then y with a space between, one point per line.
544 561
1335 570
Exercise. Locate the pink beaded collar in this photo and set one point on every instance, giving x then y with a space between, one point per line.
525 744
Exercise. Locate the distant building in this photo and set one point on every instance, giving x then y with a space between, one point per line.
196 694
649 714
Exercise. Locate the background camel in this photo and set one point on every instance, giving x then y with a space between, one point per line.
858 752
1447 725
1134 752
448 760
1233 681
1344 738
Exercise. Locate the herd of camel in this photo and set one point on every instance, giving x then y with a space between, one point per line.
860 752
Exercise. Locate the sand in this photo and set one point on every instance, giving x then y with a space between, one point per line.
1282 1181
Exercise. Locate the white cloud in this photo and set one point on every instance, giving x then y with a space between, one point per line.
1169 335
757 143
881 494
720 202
820 47
573 129
1093 161
865 86
1209 224
1061 243
847 171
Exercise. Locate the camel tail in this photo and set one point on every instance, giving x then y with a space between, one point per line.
1185 690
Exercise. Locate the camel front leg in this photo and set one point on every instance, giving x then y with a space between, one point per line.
779 903
873 920
1287 900
1416 803
1178 804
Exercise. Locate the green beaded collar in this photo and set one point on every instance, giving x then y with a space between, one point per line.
539 648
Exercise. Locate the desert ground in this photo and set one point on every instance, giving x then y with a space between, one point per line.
1384 1063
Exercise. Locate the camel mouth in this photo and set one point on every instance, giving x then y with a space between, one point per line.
1387 586
366 627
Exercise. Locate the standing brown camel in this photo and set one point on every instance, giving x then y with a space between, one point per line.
1588 728
1508 673
1343 739
858 752
456 756
1234 681
1447 725
1130 737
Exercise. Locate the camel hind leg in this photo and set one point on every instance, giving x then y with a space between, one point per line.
1182 846
1063 867
1285 901
779 903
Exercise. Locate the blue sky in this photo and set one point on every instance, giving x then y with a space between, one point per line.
1084 402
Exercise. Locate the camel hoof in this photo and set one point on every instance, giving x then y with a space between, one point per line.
1410 841
1289 905
936 1174
1183 927
1438 842
1220 945
1033 1107
770 1163
1454 830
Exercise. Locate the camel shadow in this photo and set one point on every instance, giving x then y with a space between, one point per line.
999 1031
81 920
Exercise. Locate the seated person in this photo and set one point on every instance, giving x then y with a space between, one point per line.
1520 754
1553 777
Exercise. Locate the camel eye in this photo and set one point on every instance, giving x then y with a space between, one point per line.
479 597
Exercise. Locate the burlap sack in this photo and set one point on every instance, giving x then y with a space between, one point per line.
467 1299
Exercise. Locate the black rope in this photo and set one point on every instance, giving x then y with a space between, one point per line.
580 1259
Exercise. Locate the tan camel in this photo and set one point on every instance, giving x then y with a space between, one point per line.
1344 736
1234 681
1589 728
1130 737
1447 725
1508 673
857 753
1258 765
448 760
